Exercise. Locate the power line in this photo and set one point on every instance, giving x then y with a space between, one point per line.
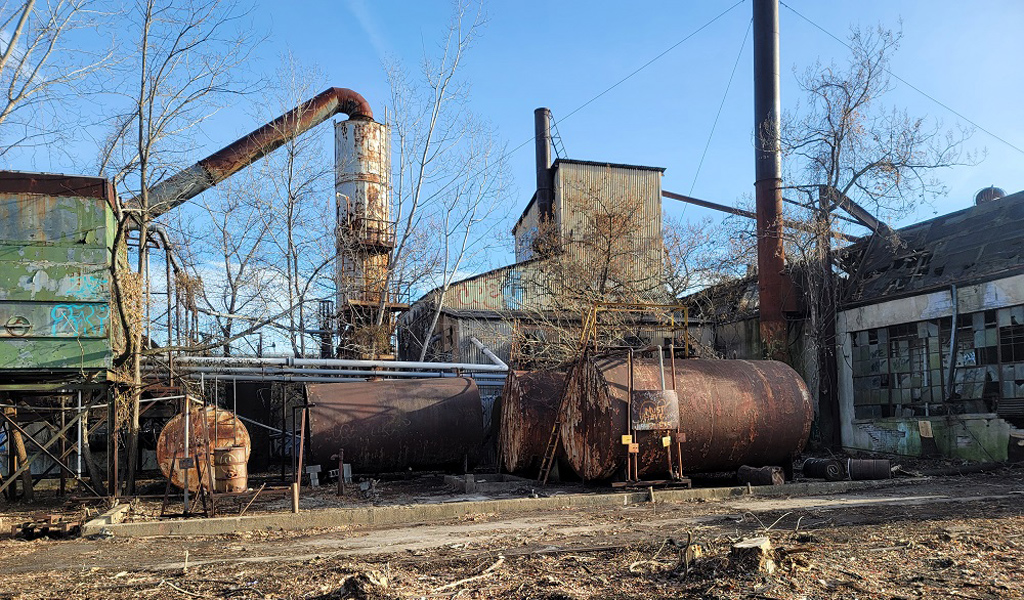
720 107
905 82
653 60
531 139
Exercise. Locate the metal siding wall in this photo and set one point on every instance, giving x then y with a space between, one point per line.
581 189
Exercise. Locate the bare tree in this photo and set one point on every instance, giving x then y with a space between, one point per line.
449 170
224 246
297 206
844 147
49 53
183 67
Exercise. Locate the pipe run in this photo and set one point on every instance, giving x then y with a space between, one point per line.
227 161
310 379
330 372
230 361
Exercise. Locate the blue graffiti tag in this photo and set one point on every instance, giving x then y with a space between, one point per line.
79 319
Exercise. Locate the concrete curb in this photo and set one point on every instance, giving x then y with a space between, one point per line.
420 513
114 515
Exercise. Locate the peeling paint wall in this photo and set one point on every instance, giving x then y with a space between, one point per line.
914 428
55 284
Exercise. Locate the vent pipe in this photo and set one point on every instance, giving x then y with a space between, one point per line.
542 138
224 163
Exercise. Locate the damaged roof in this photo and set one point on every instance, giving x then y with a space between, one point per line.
979 243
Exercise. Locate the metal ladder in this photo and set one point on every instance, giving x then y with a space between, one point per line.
551 449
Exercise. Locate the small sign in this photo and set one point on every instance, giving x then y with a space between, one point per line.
653 410
925 428
666 441
186 463
627 440
634 448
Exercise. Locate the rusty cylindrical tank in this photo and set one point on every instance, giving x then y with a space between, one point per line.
225 431
230 472
732 412
528 405
396 424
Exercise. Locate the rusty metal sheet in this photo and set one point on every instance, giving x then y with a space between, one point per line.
393 425
224 430
529 402
654 410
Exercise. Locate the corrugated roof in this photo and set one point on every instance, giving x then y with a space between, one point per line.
605 164
969 246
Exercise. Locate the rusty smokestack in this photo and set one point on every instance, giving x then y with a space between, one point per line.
771 279
542 138
227 161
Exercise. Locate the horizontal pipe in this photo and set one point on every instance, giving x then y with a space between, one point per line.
336 362
324 372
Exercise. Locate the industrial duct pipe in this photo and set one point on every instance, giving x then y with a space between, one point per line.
224 163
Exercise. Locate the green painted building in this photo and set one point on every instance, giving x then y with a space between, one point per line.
57 323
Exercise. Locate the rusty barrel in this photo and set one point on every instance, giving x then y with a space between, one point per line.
529 401
830 469
210 430
865 468
230 471
391 425
731 412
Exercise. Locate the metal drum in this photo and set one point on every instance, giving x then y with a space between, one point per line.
230 472
865 468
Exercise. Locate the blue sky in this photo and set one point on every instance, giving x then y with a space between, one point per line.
967 55
562 54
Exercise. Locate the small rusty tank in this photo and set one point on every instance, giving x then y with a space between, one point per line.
732 413
528 405
391 425
219 426
230 472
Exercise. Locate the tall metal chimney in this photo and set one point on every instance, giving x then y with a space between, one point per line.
771 262
542 138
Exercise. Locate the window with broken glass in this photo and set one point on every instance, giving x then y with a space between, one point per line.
901 370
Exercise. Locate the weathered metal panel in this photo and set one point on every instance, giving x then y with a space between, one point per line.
396 424
55 288
732 412
586 194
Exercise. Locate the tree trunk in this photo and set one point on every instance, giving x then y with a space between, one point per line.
17 447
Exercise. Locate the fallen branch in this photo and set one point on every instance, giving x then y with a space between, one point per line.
485 573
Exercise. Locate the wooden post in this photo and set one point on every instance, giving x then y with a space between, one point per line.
341 472
295 497
17 447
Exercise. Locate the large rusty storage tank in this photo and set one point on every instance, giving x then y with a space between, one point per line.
732 412
393 425
528 405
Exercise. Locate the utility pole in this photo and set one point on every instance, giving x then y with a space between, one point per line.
772 281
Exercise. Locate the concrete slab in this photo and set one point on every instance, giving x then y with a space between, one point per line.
426 513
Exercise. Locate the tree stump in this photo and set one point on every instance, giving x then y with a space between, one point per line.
753 555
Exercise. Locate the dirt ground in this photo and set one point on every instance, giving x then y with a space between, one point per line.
949 537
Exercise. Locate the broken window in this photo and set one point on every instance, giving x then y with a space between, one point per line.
900 370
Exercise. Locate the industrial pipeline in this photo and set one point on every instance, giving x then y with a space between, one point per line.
724 414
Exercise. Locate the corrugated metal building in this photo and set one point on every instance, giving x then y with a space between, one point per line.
605 221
